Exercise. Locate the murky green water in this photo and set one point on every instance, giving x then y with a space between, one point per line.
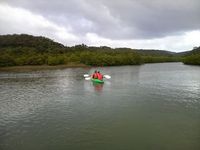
148 107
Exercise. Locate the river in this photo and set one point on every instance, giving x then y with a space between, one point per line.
147 107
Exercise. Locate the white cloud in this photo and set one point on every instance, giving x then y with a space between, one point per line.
18 20
70 29
179 43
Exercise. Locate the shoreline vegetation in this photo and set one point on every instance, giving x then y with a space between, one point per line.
47 67
27 52
40 67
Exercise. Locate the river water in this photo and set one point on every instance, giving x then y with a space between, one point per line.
147 107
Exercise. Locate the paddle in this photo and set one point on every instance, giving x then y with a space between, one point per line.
86 75
107 76
87 78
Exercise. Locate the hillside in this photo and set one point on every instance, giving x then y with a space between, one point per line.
24 40
192 57
150 52
17 50
20 50
196 50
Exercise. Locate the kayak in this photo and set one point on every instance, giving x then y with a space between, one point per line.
97 81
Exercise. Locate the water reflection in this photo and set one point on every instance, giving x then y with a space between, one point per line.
98 87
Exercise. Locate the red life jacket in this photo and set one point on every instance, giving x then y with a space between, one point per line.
100 76
95 76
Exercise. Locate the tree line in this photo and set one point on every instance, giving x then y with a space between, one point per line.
19 50
193 57
12 57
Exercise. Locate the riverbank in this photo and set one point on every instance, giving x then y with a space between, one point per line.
49 67
41 67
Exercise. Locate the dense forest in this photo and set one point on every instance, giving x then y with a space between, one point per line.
19 50
192 57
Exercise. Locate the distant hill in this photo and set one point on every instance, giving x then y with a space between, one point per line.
144 52
150 52
23 49
182 54
24 40
44 44
196 50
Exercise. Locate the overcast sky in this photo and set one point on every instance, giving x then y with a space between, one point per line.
151 24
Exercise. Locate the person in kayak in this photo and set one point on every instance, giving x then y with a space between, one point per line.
95 75
99 75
